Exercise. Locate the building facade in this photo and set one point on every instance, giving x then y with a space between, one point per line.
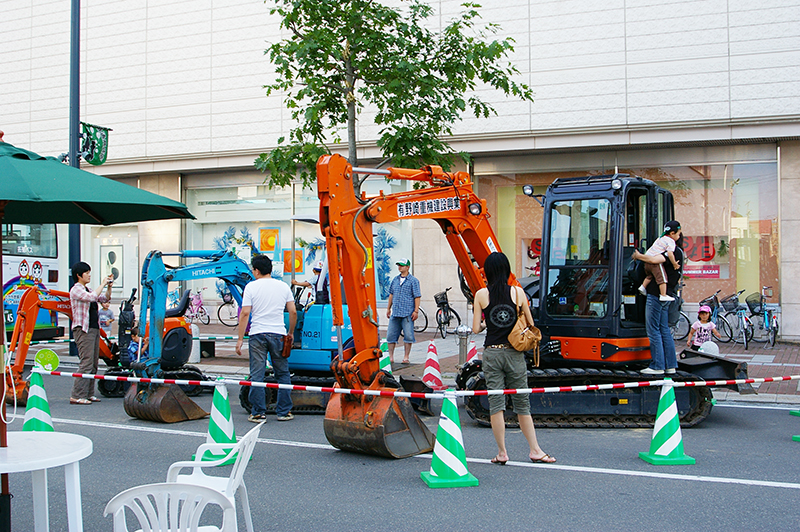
701 96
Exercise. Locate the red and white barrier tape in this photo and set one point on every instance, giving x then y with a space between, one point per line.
419 395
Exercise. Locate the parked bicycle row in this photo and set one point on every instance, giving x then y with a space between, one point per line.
738 322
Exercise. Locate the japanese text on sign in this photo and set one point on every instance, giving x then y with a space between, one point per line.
431 206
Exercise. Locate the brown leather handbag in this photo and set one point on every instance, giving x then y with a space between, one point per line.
288 341
525 336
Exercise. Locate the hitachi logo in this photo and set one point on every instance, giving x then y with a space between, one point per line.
205 271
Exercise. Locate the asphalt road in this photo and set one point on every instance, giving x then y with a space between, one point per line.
746 477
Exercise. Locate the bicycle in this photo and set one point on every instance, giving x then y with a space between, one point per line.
228 312
763 318
723 325
741 325
196 310
445 314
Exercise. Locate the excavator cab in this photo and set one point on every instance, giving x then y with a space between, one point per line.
589 311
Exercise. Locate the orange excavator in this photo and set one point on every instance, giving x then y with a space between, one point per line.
32 301
386 426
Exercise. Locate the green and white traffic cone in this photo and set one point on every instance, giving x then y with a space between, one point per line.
385 362
795 413
220 425
449 464
37 413
666 445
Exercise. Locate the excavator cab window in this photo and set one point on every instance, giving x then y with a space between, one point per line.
578 274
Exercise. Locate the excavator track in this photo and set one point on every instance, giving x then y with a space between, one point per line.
619 408
304 402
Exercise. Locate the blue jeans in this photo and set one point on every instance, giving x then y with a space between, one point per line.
261 345
662 346
393 330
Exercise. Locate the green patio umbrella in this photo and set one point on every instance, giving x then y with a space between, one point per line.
36 189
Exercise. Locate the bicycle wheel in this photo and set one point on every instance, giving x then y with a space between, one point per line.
681 328
724 329
202 315
760 331
773 331
446 321
421 323
228 314
746 331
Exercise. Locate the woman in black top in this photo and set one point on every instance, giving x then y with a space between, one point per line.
504 366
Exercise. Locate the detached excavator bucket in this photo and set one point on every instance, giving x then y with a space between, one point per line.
161 402
383 426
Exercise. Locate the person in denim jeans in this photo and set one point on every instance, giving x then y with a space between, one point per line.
263 303
662 346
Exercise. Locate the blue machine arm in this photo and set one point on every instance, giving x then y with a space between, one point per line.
156 276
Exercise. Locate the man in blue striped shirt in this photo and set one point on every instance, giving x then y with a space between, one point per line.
402 309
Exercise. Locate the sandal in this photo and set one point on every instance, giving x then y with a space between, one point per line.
544 459
496 460
94 399
74 401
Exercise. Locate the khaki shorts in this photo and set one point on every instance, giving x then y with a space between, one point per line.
505 369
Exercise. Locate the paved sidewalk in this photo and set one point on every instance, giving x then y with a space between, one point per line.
783 359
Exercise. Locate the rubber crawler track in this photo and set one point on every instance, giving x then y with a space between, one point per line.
699 399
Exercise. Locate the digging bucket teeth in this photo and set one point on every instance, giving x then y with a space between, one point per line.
382 426
161 402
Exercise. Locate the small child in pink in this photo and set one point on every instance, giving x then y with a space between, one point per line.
702 329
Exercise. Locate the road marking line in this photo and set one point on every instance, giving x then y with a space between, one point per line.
579 469
755 407
666 476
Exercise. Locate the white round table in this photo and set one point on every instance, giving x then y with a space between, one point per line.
37 452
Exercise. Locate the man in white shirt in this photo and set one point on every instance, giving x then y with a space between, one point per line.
263 303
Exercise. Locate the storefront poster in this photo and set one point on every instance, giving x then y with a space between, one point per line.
299 263
701 271
268 238
111 263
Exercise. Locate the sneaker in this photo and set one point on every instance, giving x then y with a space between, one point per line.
651 371
642 290
287 417
666 298
257 418
670 371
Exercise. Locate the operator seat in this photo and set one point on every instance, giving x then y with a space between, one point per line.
180 309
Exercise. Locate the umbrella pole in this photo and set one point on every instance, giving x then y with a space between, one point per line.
5 494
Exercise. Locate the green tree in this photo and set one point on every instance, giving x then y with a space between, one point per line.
342 56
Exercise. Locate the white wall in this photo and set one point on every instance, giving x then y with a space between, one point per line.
177 80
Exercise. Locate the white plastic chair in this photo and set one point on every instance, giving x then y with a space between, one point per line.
228 486
158 508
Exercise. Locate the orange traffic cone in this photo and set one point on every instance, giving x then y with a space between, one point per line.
432 376
472 352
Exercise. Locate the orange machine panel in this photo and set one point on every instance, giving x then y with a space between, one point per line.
591 349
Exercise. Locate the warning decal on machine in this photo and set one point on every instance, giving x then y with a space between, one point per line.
431 206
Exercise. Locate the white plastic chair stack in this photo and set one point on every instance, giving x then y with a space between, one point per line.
170 507
229 486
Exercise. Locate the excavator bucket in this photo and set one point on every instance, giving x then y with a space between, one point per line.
383 426
161 402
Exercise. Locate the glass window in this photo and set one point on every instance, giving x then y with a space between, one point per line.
30 240
578 270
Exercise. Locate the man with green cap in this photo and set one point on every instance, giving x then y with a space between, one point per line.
402 309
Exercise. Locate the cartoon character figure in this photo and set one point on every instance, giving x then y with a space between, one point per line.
23 269
37 270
